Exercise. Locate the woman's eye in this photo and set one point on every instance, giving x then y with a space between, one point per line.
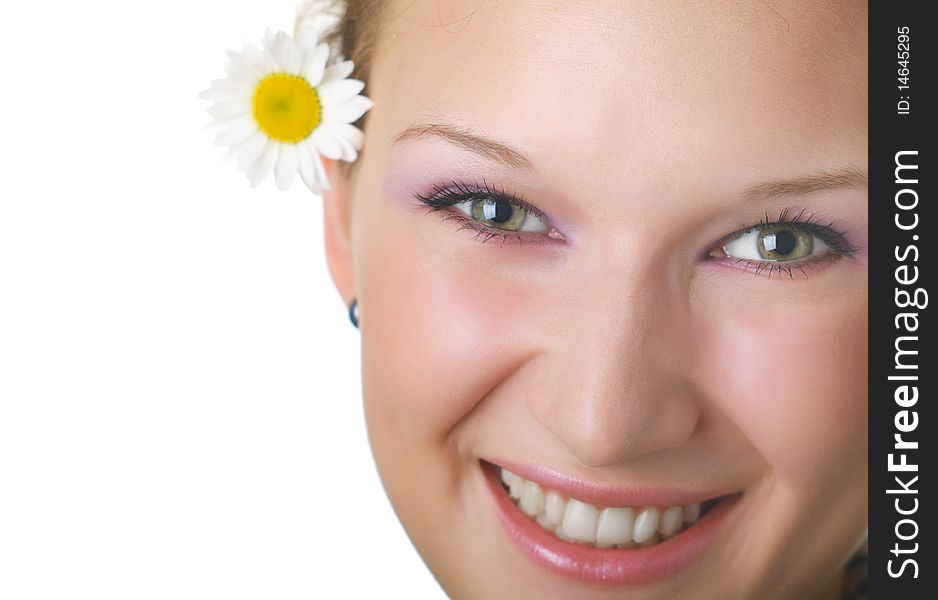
775 243
499 213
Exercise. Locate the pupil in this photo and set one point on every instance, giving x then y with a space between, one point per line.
497 211
784 242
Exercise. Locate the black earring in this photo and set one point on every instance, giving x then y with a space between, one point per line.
353 312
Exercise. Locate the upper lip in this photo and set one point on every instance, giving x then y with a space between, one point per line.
606 494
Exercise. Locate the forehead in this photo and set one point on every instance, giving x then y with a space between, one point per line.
627 82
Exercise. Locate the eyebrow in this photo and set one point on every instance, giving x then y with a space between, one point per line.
479 144
849 178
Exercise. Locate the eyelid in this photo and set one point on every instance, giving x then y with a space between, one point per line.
464 191
836 240
444 197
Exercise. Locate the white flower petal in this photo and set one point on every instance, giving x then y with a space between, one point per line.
225 123
308 38
288 54
320 170
224 85
236 148
214 127
249 152
270 47
244 78
349 154
348 112
285 54
307 168
337 92
269 37
335 132
349 132
218 96
326 144
239 130
214 95
259 170
286 166
276 52
316 64
338 71
262 61
242 69
221 89
236 57
229 110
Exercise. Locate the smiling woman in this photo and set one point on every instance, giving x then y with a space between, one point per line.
610 265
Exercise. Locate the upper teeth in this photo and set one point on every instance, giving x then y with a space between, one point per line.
605 527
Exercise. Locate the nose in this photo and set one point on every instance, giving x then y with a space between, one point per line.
613 385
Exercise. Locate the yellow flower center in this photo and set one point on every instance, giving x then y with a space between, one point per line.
286 107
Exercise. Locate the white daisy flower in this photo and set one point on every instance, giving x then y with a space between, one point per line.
281 108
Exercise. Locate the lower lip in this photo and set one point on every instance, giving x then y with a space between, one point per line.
623 566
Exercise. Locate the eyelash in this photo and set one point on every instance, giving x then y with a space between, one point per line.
442 198
836 240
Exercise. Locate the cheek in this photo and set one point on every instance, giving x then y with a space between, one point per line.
794 380
437 329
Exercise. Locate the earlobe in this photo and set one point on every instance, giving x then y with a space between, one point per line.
336 231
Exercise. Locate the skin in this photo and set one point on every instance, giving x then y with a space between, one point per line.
623 353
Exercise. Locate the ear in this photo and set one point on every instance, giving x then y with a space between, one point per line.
336 230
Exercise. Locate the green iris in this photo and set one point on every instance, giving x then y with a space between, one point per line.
783 242
499 214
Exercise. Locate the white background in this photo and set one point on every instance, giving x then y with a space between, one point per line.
180 411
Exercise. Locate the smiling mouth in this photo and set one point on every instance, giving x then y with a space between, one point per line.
572 520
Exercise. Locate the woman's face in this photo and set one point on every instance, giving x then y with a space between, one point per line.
634 335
